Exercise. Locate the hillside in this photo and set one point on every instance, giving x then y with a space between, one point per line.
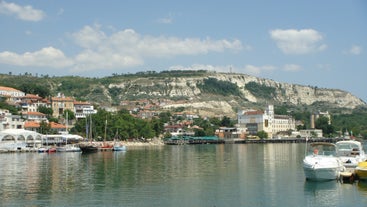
207 93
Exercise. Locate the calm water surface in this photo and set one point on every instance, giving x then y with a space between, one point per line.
191 175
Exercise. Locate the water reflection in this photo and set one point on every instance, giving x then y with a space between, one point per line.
362 186
322 193
203 175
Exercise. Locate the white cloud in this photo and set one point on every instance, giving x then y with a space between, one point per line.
292 67
26 13
127 48
227 68
121 49
60 12
325 67
354 50
46 57
249 69
166 20
298 41
257 70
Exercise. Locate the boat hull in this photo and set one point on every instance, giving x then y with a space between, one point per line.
88 148
361 170
119 148
322 168
68 149
321 174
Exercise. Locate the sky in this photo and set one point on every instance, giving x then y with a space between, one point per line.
312 43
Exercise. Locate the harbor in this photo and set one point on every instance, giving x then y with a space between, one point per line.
179 175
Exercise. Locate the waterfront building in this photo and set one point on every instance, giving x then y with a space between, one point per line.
311 133
16 139
267 121
231 133
55 127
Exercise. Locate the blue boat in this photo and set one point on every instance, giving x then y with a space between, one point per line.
119 147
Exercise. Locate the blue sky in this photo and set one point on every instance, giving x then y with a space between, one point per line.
316 43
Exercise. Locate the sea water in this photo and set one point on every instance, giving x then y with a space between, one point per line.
186 175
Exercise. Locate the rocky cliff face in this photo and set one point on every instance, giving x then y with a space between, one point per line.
187 88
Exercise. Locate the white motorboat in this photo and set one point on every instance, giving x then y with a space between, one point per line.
119 147
350 152
321 162
69 148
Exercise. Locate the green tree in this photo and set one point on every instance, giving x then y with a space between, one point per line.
226 122
262 134
323 124
45 128
45 110
70 114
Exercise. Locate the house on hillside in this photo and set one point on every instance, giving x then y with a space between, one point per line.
34 116
10 121
31 102
12 95
60 103
55 127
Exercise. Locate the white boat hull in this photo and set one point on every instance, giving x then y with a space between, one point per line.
119 148
68 148
322 168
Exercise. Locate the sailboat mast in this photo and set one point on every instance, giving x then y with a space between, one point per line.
105 131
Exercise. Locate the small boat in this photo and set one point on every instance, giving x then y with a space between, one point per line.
119 147
361 170
350 152
42 149
68 148
51 150
105 147
321 163
88 148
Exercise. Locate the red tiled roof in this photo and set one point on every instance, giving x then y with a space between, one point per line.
62 99
81 103
55 125
4 88
31 124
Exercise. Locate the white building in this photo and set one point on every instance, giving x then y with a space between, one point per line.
83 109
31 102
9 121
257 120
13 95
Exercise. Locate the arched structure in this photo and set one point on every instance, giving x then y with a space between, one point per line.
17 139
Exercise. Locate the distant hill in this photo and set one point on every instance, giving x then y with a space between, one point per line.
203 92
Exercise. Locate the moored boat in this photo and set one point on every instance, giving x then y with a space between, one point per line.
321 163
119 147
361 170
350 152
68 148
51 150
42 149
88 148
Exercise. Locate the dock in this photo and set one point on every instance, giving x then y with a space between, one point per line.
216 140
